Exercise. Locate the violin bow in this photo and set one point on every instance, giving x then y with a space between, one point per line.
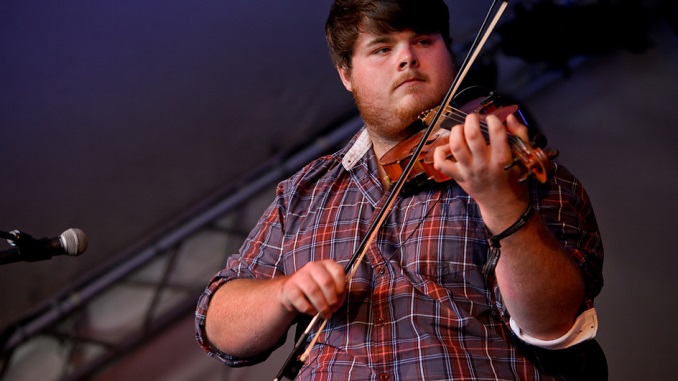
389 199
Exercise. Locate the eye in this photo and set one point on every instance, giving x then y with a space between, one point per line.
382 50
424 41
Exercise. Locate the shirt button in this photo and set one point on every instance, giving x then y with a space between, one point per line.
382 270
383 377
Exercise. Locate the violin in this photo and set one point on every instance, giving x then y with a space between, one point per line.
534 159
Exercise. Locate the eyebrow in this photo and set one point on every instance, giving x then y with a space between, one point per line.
386 38
379 40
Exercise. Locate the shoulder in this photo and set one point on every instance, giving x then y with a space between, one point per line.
324 169
562 184
319 173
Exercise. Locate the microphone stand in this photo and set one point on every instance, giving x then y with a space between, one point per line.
8 236
23 244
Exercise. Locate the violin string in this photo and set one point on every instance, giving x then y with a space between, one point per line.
459 117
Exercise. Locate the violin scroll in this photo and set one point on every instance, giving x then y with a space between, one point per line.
536 161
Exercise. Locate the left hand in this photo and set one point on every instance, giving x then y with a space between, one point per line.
479 168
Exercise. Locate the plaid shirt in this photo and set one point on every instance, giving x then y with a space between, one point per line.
418 307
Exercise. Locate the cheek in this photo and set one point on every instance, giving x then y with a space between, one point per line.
442 85
372 75
444 72
370 86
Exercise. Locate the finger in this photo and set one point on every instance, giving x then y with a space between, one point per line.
331 280
457 144
338 274
316 296
294 296
319 287
501 152
313 292
443 161
475 139
304 293
515 127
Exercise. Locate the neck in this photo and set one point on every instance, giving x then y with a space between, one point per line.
380 146
383 177
382 143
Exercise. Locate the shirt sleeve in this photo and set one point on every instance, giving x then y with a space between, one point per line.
584 328
259 258
566 208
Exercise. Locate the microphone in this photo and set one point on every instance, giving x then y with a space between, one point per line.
72 242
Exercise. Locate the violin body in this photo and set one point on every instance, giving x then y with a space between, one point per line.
535 161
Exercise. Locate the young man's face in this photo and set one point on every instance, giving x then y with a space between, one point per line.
396 76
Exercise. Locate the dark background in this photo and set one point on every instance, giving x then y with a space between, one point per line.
117 116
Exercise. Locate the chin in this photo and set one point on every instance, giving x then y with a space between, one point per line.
411 111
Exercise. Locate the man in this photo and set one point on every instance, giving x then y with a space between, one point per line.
420 306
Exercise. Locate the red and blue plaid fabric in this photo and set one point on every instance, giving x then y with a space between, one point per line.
418 307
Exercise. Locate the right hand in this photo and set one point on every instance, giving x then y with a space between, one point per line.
318 287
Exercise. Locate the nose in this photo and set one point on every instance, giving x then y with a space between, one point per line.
408 58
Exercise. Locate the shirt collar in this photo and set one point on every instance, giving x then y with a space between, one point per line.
361 146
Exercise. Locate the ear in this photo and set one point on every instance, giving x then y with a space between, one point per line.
345 75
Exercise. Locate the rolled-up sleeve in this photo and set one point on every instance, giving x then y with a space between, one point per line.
566 208
569 214
259 258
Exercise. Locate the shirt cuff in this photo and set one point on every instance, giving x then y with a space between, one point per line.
584 328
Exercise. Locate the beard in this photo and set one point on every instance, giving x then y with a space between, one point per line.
393 125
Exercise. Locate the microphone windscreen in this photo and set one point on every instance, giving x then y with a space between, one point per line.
74 241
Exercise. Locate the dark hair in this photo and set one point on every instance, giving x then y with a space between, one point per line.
347 16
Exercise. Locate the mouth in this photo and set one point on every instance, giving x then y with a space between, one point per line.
409 81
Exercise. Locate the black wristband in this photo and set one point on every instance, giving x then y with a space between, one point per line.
520 222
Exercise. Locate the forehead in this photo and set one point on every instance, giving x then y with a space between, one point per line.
367 37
